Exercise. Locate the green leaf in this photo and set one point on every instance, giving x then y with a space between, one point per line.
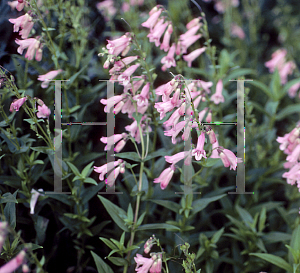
74 169
87 170
145 185
157 226
130 213
90 181
141 218
262 219
295 242
287 111
108 243
73 78
160 152
38 162
115 212
275 85
239 72
275 237
118 261
217 235
10 210
287 86
245 215
88 193
129 155
278 261
202 203
102 267
209 162
264 88
42 149
167 204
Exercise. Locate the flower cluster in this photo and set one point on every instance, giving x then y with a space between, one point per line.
284 68
26 23
290 144
174 126
158 27
153 264
16 262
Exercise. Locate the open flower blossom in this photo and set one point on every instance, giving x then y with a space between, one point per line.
16 104
34 48
19 4
34 198
193 55
165 177
199 152
218 97
179 156
228 158
48 76
120 45
43 111
169 60
104 169
25 23
113 140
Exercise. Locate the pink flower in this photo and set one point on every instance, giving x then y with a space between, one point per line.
112 140
111 102
278 59
157 32
156 266
193 55
104 169
190 33
34 197
145 262
228 158
3 233
211 135
16 104
205 85
12 4
119 45
175 131
166 41
169 60
125 76
237 31
199 152
208 117
185 44
218 97
142 99
295 155
202 114
214 153
179 156
33 46
165 177
293 90
150 23
286 70
43 111
25 22
48 76
107 7
13 264
193 23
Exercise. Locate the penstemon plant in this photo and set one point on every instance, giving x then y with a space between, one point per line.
174 113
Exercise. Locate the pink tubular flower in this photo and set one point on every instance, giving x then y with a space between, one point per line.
228 158
145 262
293 90
3 232
211 135
112 140
214 153
185 44
165 177
237 31
278 59
111 101
142 99
12 4
150 23
218 97
169 60
193 23
104 169
16 104
13 264
149 244
125 76
156 266
295 155
107 7
166 41
179 156
34 197
33 46
199 152
26 24
286 70
43 111
157 32
193 55
119 45
48 76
